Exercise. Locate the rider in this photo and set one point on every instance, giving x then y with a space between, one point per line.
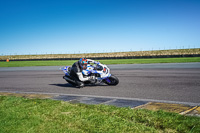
76 72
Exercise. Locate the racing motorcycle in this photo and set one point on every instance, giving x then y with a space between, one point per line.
99 72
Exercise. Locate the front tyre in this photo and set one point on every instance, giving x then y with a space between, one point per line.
113 80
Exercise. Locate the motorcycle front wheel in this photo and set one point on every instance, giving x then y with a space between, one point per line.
113 80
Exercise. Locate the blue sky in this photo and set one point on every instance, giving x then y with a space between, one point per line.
87 26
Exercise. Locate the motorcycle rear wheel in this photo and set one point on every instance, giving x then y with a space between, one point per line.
70 82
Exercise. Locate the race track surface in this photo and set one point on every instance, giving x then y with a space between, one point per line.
169 82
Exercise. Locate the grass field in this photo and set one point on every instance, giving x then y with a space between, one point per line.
19 115
115 61
111 54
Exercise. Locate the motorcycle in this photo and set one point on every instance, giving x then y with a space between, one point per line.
99 72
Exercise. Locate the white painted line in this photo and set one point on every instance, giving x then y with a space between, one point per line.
112 100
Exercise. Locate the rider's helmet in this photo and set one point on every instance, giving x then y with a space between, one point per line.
83 63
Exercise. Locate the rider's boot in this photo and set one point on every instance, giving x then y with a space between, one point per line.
92 80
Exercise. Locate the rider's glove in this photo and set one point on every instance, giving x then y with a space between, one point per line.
86 72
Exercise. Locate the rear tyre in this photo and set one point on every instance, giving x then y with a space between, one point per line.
113 80
70 82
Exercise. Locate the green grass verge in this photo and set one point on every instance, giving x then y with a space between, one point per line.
115 61
19 115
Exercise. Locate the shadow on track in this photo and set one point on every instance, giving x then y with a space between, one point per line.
64 85
70 85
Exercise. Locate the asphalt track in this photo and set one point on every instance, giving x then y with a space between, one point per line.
177 82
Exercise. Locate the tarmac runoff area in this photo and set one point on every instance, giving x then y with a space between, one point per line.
168 106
